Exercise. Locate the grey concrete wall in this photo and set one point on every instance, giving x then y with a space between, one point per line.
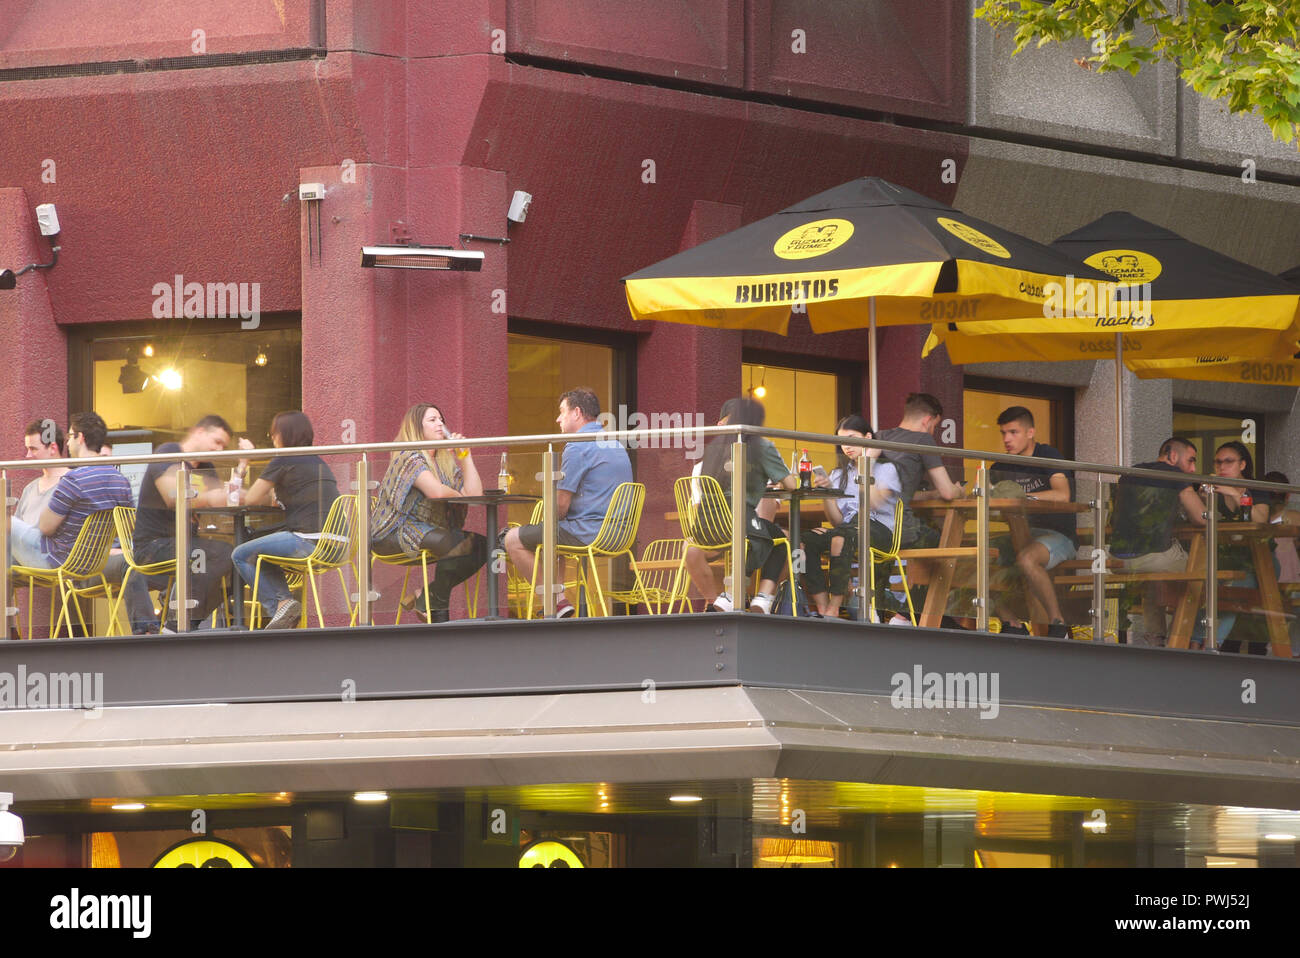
1044 92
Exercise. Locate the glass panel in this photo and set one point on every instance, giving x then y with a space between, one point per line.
1207 432
980 411
796 399
162 385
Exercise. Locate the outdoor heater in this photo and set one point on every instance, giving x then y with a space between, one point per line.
421 257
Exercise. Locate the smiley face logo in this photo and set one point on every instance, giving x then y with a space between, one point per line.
203 853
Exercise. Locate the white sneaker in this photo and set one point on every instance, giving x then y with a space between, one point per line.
723 603
761 603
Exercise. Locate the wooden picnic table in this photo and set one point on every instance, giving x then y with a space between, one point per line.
1256 536
1016 513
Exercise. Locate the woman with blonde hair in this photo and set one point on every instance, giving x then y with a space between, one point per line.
415 508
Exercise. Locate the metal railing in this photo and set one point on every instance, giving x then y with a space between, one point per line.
549 476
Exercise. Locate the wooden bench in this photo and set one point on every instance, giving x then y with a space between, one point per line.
1123 578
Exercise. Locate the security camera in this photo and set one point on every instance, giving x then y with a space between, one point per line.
519 204
47 218
11 828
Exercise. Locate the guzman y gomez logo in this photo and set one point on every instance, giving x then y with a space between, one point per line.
789 291
813 239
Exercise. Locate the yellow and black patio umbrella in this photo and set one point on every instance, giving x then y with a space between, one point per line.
1282 370
862 254
1170 299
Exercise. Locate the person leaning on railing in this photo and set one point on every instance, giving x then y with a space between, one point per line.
763 465
414 511
306 488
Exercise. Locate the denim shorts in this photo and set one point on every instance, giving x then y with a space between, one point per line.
1059 546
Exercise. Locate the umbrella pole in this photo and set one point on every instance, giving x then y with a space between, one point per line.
1119 399
871 363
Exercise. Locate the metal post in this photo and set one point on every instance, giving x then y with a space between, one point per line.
1211 570
871 364
548 532
738 517
1099 578
982 547
866 568
364 596
1119 399
184 492
4 553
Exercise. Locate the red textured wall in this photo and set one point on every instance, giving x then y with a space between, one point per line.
185 171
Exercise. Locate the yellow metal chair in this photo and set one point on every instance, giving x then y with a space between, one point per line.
663 584
124 523
86 560
422 559
615 538
891 554
705 516
333 551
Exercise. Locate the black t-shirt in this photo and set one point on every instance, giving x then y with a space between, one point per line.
1036 479
153 518
1145 511
912 468
306 488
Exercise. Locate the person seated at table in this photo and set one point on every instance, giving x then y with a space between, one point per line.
155 519
921 414
306 488
1232 460
591 474
1054 538
415 509
763 465
840 541
1142 530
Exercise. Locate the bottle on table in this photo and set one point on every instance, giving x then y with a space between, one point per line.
805 471
1247 503
503 476
233 487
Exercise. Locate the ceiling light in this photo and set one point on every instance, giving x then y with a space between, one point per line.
260 359
421 257
682 799
169 378
370 797
148 349
1279 837
128 807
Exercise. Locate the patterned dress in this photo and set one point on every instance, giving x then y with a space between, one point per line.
404 512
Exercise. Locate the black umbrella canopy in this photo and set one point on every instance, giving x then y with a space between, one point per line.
1292 275
921 260
1172 298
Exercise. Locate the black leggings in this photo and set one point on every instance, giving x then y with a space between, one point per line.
451 570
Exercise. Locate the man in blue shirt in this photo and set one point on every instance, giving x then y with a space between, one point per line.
592 471
81 491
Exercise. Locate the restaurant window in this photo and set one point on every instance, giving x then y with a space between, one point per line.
983 400
800 399
542 366
152 382
1207 429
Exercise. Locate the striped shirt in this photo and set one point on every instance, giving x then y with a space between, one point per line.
80 492
403 512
